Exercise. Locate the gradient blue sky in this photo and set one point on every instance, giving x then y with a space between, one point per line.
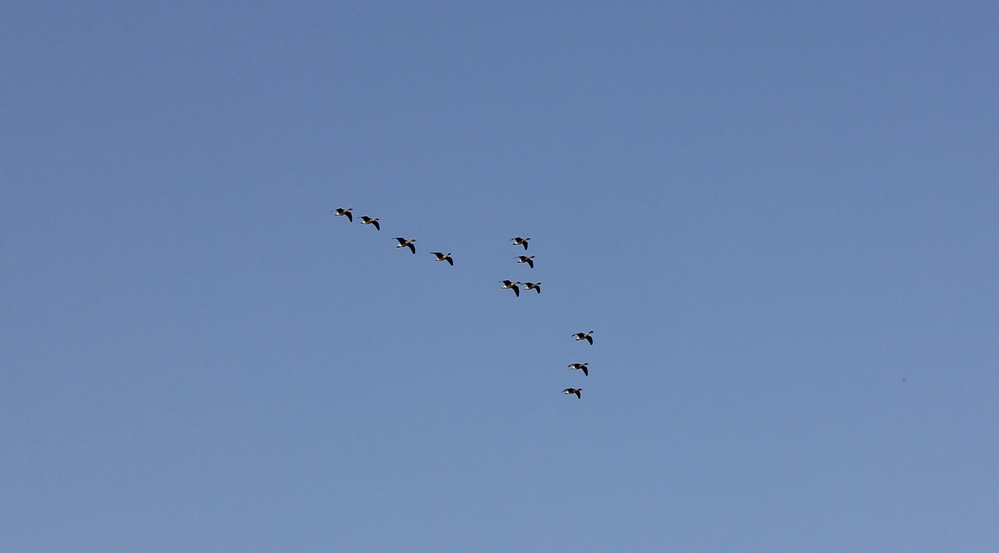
780 218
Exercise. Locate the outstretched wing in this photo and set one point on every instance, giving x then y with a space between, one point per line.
412 247
590 339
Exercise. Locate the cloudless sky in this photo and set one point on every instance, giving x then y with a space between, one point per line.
781 219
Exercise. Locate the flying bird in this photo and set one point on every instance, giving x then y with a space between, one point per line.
444 257
508 284
365 220
340 212
580 367
526 259
584 336
536 286
403 243
570 391
518 241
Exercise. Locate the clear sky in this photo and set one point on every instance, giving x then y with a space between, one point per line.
781 219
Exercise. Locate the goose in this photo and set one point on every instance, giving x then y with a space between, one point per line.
580 367
340 212
518 241
365 220
536 286
444 257
584 336
529 259
403 243
570 391
508 284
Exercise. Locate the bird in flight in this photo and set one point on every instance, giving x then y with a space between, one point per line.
511 285
340 212
536 286
518 241
526 259
580 367
444 257
570 391
584 336
403 243
365 220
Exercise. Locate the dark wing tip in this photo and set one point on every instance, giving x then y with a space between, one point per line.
450 261
377 226
586 372
412 247
590 339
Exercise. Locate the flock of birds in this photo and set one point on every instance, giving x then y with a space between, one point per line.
507 284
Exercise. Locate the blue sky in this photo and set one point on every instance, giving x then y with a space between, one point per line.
781 220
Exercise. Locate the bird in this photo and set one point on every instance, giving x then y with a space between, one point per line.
444 257
526 259
518 241
513 285
365 220
570 391
536 286
580 367
339 212
584 336
403 243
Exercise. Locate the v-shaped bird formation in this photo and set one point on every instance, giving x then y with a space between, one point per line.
506 284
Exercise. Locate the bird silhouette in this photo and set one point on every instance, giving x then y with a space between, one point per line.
403 243
580 367
444 257
507 284
340 212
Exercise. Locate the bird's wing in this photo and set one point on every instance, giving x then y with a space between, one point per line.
516 291
412 247
590 339
449 260
585 371
377 226
350 216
